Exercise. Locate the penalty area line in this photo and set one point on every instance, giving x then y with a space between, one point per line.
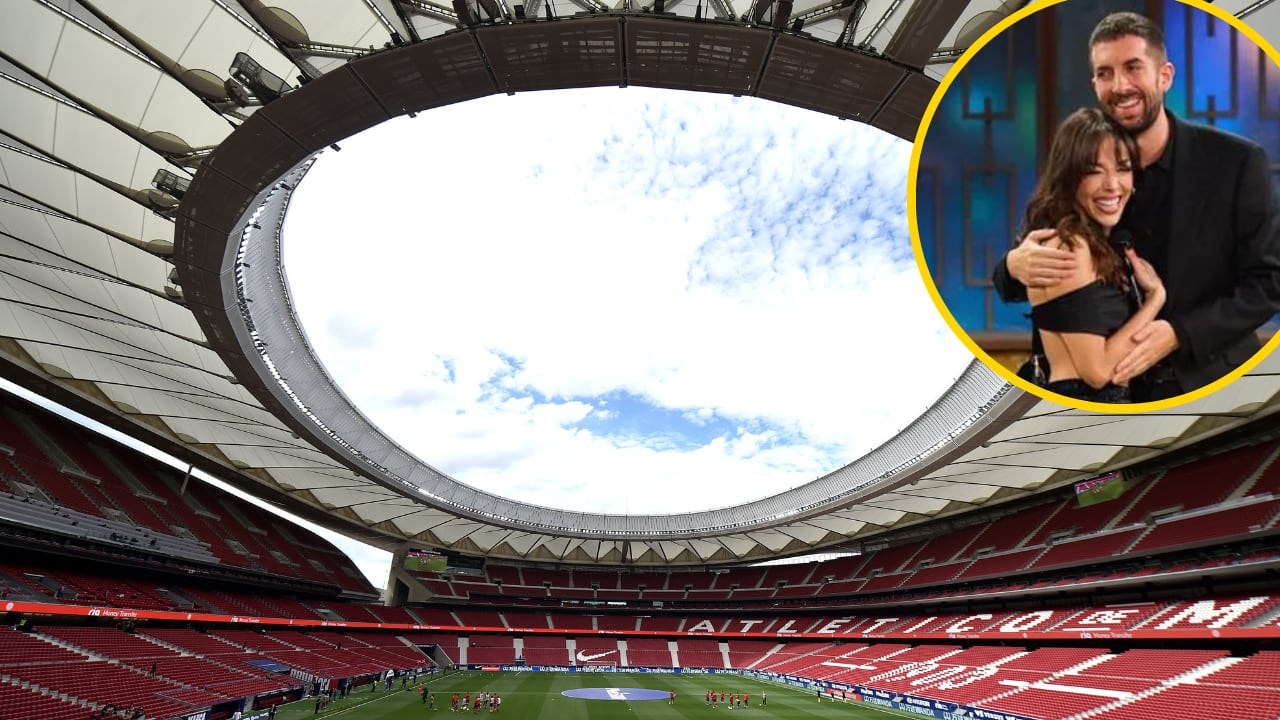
349 708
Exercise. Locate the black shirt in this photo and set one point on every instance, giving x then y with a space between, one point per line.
1098 308
1149 214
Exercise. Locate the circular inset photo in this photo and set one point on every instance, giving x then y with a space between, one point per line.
1093 200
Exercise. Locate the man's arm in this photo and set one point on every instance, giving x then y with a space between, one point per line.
1006 285
1098 360
1033 262
1213 326
1153 343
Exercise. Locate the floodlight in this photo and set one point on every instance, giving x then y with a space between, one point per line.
267 86
170 183
238 93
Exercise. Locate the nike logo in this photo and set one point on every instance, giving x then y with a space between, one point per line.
583 657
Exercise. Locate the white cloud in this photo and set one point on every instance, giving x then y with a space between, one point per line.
742 269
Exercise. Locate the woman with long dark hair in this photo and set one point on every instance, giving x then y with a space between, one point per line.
1086 323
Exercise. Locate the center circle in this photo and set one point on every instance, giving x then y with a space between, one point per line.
617 694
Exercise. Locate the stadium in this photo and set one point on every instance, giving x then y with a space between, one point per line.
999 557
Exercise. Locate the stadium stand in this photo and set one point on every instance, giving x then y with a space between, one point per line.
747 654
802 658
33 702
546 650
491 650
650 652
58 475
480 618
1021 590
699 653
130 583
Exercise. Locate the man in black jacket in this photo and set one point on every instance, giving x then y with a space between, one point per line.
1204 215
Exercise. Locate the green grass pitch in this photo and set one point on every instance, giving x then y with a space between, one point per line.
536 696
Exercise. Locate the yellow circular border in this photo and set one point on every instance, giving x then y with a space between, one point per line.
925 273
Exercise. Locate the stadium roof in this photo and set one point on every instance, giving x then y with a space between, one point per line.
147 153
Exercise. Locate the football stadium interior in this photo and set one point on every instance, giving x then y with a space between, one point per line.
1000 557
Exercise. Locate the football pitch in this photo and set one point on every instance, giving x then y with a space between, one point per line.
539 696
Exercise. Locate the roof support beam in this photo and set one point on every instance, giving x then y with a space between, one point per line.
922 31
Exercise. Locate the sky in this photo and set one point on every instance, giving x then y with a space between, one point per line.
621 299
616 300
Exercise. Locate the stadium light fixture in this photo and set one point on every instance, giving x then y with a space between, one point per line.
264 84
170 183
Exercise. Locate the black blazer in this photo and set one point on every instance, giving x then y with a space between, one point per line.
1223 253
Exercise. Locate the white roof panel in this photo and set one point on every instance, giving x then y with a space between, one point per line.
30 35
349 23
197 35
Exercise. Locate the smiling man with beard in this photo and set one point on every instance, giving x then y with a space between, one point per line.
1203 214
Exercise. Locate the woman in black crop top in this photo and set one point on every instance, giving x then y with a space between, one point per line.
1086 323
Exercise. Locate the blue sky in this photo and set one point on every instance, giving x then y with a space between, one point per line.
621 300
